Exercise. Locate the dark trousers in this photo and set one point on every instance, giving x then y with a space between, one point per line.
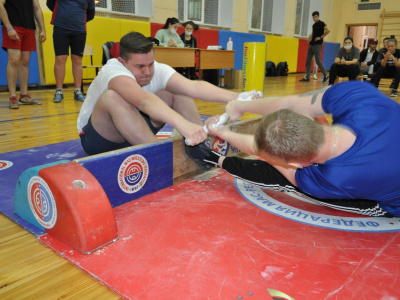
314 50
264 175
387 72
350 71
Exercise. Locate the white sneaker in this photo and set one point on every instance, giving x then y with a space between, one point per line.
315 77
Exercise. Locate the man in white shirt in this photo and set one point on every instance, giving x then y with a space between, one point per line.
368 57
133 96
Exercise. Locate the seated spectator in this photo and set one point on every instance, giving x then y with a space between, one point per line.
368 57
346 62
167 35
384 49
190 42
389 66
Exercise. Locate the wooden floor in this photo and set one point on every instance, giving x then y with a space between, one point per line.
28 270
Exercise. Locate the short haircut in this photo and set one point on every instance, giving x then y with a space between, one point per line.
348 38
134 42
289 137
315 13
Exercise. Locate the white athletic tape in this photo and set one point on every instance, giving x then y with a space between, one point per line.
244 96
222 120
248 96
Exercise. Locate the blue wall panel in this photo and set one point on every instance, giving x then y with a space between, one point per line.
330 51
238 39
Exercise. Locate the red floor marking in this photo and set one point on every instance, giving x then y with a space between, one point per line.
202 240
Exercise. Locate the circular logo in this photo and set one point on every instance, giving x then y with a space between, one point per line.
220 146
41 202
312 216
5 164
133 173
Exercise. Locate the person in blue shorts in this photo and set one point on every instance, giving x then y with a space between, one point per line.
353 165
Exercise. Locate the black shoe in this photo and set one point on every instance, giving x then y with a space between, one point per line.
304 79
391 85
394 93
198 153
325 78
213 158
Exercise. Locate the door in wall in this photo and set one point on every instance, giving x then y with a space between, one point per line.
361 34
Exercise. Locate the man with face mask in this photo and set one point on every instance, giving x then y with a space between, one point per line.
346 62
368 57
167 35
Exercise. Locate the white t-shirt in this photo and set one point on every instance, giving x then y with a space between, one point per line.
113 68
369 55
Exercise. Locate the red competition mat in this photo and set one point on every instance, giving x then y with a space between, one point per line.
206 238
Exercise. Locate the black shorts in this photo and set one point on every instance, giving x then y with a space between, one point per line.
93 143
63 39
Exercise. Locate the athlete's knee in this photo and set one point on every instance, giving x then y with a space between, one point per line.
166 96
110 101
76 59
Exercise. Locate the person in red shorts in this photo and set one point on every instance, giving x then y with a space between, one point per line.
18 20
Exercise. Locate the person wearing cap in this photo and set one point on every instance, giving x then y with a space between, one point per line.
190 42
368 57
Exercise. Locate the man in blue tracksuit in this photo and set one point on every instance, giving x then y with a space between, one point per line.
69 20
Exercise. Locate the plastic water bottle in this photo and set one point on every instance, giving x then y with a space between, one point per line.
229 45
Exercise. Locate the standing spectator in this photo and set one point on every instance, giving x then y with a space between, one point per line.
315 40
167 35
368 57
18 20
389 66
190 42
69 20
346 62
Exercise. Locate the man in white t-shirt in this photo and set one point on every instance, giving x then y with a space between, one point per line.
368 57
133 96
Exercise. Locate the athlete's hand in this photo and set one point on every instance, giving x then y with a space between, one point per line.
193 133
42 36
13 35
234 110
214 128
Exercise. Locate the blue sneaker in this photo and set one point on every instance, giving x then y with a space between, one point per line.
58 96
79 96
